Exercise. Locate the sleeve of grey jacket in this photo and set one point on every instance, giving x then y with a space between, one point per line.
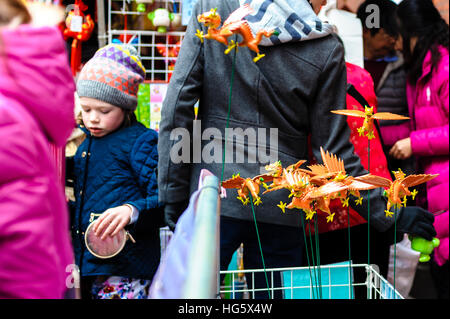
177 117
332 133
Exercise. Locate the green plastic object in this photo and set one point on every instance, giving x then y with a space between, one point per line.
141 7
424 247
161 19
143 104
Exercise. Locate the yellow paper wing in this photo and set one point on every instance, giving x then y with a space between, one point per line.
356 113
389 116
360 186
275 188
265 178
329 188
318 169
296 165
374 180
229 28
235 182
289 178
238 14
332 162
413 180
305 171
322 179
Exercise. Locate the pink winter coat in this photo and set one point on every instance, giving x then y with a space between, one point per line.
36 108
428 107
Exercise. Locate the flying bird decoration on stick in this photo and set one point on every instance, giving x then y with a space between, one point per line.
397 190
234 24
246 186
368 115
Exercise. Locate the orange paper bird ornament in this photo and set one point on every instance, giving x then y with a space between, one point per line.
333 170
397 190
234 24
246 186
369 116
212 21
306 195
279 174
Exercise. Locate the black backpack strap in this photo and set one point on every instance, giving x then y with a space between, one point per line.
356 95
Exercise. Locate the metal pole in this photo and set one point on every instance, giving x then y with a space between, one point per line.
101 23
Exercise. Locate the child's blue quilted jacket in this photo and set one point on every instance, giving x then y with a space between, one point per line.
110 171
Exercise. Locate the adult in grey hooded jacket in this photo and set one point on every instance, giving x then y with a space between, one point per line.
292 89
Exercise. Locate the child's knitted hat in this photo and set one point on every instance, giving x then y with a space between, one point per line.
112 75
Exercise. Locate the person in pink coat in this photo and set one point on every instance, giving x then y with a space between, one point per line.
36 110
425 37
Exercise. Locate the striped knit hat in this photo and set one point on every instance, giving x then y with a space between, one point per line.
112 75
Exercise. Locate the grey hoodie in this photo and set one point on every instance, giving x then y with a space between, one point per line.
284 99
294 20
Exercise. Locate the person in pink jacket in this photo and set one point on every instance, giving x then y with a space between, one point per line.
36 110
425 37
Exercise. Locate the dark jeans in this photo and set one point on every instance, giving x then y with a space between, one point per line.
282 246
86 286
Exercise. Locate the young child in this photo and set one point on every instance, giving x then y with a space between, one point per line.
114 174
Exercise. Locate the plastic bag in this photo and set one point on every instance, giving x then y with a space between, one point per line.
405 266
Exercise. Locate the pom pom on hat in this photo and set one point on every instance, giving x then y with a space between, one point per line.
113 75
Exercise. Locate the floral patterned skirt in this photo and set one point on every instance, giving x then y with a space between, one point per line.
115 287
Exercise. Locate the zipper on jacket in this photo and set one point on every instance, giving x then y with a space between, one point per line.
82 194
428 92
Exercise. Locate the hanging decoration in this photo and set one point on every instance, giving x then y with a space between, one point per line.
161 19
78 30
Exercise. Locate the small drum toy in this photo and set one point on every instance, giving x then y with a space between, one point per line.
108 247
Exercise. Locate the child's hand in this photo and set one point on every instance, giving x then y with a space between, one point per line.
401 149
113 220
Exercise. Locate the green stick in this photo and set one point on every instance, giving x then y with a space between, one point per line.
260 247
307 255
316 239
395 245
368 205
349 254
228 115
313 259
368 211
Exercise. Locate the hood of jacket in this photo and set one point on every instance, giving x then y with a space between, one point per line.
34 71
293 20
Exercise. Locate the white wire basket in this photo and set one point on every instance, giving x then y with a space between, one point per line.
335 282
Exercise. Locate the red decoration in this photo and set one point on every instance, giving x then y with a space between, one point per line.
78 36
